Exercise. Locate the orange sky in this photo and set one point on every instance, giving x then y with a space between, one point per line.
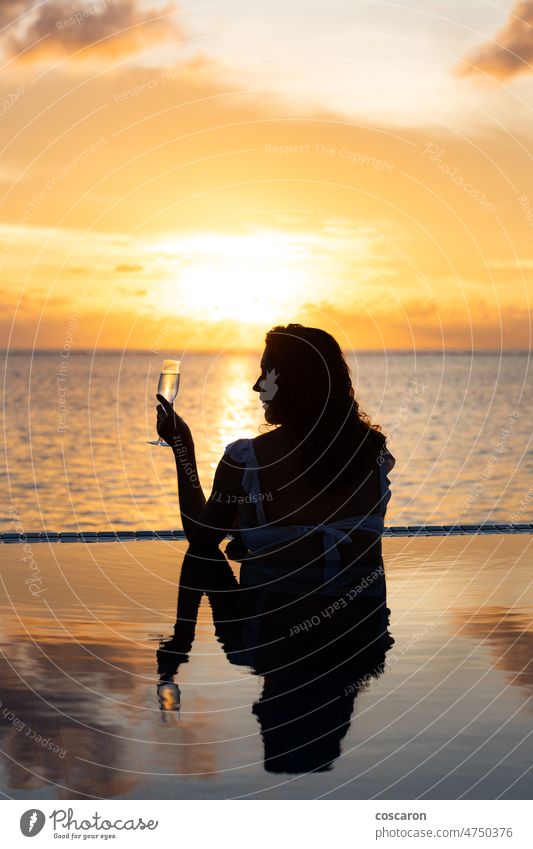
187 179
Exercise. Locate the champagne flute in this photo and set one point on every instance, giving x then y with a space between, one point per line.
169 383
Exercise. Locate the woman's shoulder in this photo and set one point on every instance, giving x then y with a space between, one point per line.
238 450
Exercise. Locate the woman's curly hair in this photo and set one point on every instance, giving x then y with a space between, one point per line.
316 405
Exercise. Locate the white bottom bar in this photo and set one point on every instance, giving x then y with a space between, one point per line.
261 824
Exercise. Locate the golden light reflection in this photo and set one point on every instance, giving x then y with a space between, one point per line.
239 411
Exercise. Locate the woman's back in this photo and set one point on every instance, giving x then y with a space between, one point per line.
297 501
283 498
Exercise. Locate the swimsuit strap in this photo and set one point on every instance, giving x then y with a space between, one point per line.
251 482
386 462
339 533
332 537
242 451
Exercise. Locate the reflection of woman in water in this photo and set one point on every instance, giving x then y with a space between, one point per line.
307 501
311 675
310 495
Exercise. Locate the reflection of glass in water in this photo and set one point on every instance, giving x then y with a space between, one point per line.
169 697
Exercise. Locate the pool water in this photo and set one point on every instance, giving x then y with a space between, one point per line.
422 693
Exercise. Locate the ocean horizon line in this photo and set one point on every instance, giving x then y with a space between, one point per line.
206 352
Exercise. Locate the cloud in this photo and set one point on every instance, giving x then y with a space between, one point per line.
511 50
10 10
125 267
84 31
508 634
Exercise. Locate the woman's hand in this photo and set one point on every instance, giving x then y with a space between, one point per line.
171 427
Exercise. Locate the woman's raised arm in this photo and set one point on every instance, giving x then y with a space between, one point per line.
205 522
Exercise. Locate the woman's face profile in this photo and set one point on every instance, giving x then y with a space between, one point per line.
259 385
266 384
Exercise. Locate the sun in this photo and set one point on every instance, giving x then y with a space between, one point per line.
251 279
247 294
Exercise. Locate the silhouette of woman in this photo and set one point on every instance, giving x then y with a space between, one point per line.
309 497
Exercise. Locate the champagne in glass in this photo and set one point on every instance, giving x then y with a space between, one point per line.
169 383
